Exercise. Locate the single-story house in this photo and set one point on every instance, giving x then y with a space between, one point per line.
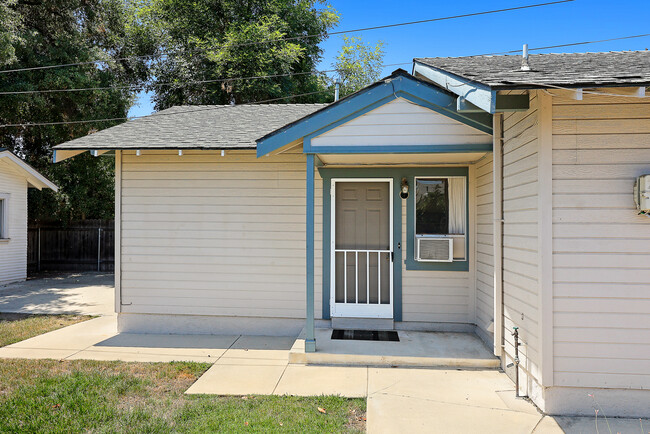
16 177
475 195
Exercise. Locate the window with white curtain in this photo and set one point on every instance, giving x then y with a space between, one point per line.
441 210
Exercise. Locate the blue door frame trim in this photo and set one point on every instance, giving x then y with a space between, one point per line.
327 173
399 84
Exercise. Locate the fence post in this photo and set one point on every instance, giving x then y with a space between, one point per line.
39 249
99 249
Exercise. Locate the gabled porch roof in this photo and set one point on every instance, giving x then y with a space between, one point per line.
399 84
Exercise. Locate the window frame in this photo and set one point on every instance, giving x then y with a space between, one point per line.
4 217
412 237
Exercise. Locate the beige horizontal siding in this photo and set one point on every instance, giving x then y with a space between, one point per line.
13 253
520 235
209 235
405 123
484 249
601 246
435 296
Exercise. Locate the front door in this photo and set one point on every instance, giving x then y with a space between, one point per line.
362 248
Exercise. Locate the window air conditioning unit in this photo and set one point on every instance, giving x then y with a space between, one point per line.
435 249
642 194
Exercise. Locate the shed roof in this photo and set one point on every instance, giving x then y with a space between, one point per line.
620 68
34 178
196 127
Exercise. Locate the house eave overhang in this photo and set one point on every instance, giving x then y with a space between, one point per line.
34 178
473 97
400 84
62 152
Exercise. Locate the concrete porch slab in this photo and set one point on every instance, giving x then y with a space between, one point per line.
415 349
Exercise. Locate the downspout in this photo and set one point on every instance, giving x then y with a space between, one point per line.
497 204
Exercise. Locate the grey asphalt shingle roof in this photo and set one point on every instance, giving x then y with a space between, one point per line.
196 127
621 68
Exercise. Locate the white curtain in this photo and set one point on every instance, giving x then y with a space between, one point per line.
457 201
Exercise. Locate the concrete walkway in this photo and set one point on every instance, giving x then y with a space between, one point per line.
399 399
85 293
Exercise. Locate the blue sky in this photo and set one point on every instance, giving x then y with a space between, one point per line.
581 20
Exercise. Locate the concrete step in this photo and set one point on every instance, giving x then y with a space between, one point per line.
415 349
363 323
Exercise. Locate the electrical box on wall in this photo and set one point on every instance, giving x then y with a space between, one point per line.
642 194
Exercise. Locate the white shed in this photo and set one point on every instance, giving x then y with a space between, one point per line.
16 177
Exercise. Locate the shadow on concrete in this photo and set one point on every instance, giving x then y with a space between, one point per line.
69 293
132 340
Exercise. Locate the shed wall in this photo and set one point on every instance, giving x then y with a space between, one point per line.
13 253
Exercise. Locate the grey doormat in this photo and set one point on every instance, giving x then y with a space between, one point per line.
365 335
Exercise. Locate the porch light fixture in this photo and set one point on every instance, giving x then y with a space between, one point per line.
404 190
180 152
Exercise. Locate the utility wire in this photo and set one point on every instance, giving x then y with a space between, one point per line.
180 84
162 113
293 38
217 80
573 44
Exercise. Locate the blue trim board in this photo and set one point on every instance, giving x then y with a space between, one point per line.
397 85
327 173
310 339
397 149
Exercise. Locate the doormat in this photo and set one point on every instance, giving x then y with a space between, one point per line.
365 335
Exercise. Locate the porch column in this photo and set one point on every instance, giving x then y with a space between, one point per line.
310 339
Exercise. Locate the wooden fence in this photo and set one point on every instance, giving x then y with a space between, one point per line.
81 246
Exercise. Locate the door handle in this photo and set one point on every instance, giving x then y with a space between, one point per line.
392 256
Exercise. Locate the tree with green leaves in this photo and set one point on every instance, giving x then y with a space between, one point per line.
36 33
9 25
358 64
215 39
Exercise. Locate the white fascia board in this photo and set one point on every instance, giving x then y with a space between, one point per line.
480 96
34 178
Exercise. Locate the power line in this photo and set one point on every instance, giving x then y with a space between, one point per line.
293 38
180 84
573 44
217 80
35 124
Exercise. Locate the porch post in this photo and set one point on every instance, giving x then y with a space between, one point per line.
310 339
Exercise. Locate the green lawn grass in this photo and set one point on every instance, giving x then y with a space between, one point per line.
16 327
83 396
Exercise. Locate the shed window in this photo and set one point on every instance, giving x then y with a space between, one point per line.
3 218
441 210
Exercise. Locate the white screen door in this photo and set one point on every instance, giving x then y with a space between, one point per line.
362 248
